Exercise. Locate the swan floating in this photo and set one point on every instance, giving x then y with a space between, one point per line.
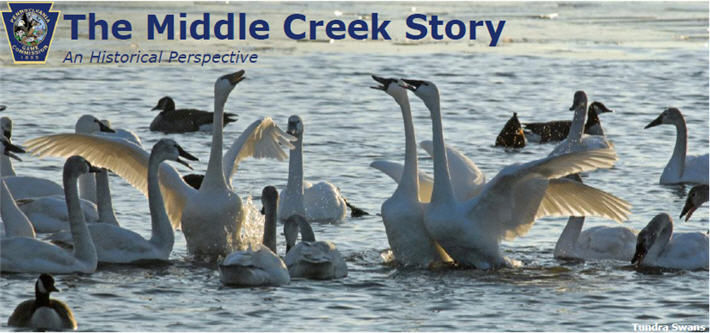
511 136
90 125
658 246
595 243
42 312
170 120
402 213
14 222
260 266
321 202
682 168
211 218
697 196
553 131
471 231
22 254
577 140
309 258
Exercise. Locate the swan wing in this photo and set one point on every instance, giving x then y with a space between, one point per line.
123 158
394 170
466 178
565 197
509 204
262 139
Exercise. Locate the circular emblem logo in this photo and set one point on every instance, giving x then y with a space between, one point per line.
30 29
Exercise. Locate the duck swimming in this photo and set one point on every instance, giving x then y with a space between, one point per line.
42 312
170 120
553 131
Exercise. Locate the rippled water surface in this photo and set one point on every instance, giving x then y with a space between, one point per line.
349 125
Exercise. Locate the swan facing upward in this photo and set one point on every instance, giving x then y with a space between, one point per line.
681 168
321 202
42 312
471 231
595 243
22 254
577 140
260 266
658 246
697 196
170 120
402 213
309 258
211 217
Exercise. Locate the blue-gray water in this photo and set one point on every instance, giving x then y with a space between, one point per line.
659 58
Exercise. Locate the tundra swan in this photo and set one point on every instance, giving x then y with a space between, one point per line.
170 120
681 168
309 258
577 140
658 246
558 130
697 196
42 312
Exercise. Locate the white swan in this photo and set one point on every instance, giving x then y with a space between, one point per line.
22 254
49 214
42 312
597 242
14 221
577 140
88 124
121 133
508 205
309 258
697 196
467 178
403 212
658 246
211 217
260 266
681 168
321 202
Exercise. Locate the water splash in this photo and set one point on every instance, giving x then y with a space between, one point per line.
253 228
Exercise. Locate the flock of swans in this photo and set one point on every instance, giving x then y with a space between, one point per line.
455 217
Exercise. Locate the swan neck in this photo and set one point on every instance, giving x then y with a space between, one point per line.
162 234
656 249
6 168
576 129
103 198
409 182
214 178
442 190
570 234
16 223
307 234
677 162
294 186
269 239
84 249
87 187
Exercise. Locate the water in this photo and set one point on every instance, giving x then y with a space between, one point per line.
646 57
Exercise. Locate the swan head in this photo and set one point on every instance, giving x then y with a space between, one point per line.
45 284
8 149
295 126
668 116
168 149
6 127
696 197
660 227
599 108
76 166
579 101
392 87
88 124
425 90
269 199
164 104
226 83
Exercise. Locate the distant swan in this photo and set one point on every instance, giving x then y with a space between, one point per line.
598 242
402 213
508 205
211 217
309 258
260 266
697 196
658 246
42 312
681 168
22 254
170 120
577 140
558 130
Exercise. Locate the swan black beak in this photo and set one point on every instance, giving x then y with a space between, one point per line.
385 82
10 149
235 77
639 254
104 128
2 107
412 85
655 122
689 209
157 107
93 169
186 155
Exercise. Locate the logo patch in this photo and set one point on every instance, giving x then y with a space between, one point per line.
29 28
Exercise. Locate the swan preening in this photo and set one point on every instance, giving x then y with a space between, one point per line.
310 258
170 120
577 140
697 196
658 246
259 266
211 218
23 254
42 312
470 231
558 130
681 168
